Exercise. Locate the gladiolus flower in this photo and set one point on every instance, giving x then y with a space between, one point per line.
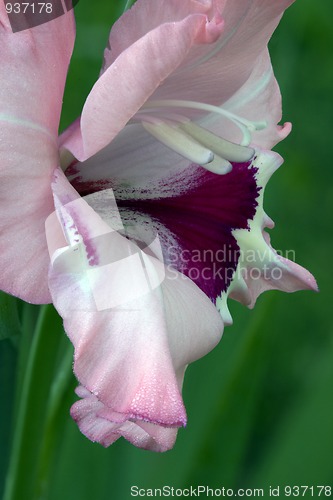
171 155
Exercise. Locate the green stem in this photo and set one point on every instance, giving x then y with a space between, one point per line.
32 405
63 383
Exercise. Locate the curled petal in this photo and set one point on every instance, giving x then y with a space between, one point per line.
115 309
247 27
144 17
100 424
260 268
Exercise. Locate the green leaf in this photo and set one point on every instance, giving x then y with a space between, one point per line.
235 406
301 452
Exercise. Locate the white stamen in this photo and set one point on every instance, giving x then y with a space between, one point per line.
246 126
180 142
222 147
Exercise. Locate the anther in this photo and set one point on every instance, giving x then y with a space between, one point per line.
222 147
180 142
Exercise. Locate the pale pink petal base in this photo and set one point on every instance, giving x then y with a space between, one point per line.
26 197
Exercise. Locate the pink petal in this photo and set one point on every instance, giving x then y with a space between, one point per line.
32 87
131 348
229 62
126 85
30 103
279 274
144 17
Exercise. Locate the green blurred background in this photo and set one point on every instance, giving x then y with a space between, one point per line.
260 406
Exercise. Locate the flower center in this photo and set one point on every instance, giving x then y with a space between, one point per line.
194 142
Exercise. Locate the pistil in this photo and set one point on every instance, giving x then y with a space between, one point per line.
193 142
